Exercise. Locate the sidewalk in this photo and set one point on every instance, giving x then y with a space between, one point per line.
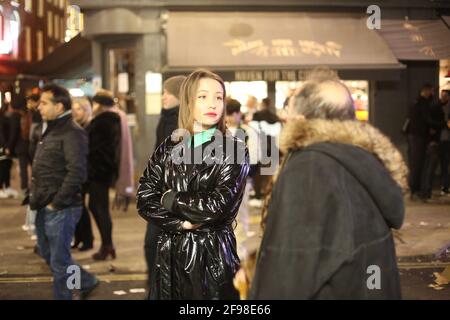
24 275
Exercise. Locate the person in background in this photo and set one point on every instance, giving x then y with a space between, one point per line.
251 107
233 119
418 135
5 157
19 135
104 133
125 181
444 136
268 125
84 238
167 124
58 173
36 120
32 106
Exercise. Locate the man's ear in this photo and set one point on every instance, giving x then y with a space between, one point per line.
60 107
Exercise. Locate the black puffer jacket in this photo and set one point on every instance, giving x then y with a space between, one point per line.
59 165
201 263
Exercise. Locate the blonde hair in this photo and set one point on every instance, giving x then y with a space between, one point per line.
188 93
86 105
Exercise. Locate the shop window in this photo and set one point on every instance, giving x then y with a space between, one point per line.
14 24
242 90
1 24
360 94
50 24
359 90
28 46
28 6
40 8
122 77
62 29
56 26
40 45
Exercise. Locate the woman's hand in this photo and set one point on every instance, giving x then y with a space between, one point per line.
189 226
241 283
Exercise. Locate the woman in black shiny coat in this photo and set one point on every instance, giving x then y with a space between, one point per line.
192 189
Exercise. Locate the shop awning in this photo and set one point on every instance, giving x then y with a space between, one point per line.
417 39
228 40
70 60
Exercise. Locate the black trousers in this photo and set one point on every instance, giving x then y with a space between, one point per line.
260 182
83 231
429 168
24 162
99 206
5 173
417 148
150 247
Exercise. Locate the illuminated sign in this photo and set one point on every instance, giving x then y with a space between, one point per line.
9 30
6 46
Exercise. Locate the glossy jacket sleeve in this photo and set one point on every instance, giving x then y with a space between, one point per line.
149 193
215 205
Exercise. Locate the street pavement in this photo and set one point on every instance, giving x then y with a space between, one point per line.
24 275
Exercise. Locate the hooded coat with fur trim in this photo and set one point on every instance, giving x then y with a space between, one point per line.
328 228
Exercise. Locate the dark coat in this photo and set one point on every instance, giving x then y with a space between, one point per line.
439 122
266 115
59 165
200 263
17 143
104 148
421 118
168 122
329 221
4 129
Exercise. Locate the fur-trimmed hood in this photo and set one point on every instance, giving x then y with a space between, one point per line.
300 133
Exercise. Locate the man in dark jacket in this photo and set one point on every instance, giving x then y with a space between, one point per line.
338 194
59 170
166 125
103 166
437 141
420 124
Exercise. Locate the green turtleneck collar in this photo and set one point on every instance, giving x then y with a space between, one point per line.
202 137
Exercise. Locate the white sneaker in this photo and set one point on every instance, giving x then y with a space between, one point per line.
25 227
33 237
11 193
3 194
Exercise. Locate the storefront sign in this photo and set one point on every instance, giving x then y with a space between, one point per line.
283 48
271 75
